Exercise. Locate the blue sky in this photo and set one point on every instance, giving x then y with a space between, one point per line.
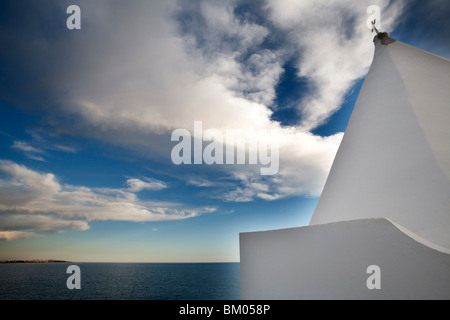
86 172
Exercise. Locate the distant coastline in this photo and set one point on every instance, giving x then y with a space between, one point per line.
36 261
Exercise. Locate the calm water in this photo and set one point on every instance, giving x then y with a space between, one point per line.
122 281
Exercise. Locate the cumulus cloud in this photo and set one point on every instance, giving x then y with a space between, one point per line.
303 171
131 79
136 185
333 40
35 201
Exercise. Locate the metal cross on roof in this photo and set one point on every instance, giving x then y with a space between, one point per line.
375 28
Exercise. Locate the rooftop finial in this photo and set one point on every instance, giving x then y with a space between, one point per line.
382 36
375 28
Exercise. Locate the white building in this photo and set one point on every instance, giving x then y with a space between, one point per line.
386 202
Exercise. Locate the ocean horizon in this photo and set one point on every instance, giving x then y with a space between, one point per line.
121 281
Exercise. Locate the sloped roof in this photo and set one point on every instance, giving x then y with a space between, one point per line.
394 160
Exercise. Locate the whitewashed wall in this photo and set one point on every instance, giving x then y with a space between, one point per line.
386 202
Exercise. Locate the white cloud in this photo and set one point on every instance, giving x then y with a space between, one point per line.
35 201
23 146
29 151
36 184
201 182
40 145
132 79
137 185
304 167
16 235
335 45
187 83
38 222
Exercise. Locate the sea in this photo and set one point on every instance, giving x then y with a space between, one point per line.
121 281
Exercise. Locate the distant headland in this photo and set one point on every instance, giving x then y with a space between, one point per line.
36 261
